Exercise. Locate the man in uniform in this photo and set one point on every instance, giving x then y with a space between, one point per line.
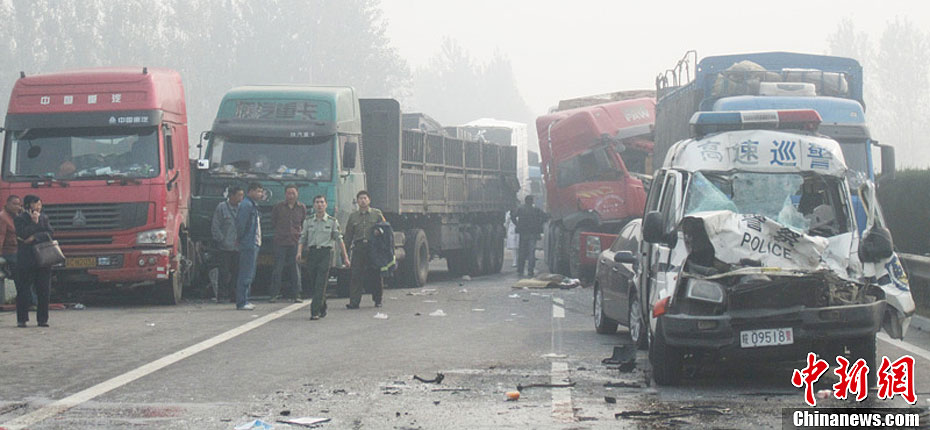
319 234
287 218
358 233
529 221
224 233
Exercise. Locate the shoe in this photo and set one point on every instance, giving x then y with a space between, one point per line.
21 325
246 307
45 324
378 305
348 306
273 299
314 317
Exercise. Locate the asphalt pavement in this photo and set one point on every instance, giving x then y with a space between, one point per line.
202 365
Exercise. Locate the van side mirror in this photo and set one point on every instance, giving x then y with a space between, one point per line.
653 227
349 155
888 168
626 257
876 245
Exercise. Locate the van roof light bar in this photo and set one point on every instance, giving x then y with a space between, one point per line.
704 123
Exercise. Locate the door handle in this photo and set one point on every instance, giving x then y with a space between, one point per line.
614 269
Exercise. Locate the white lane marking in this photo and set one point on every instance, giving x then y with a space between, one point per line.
913 349
558 311
76 399
562 409
559 301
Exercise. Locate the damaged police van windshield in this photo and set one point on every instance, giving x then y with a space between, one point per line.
751 249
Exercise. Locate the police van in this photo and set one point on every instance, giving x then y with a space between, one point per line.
751 251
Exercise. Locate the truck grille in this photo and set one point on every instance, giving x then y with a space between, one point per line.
96 216
91 240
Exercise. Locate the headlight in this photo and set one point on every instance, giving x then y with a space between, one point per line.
705 290
152 237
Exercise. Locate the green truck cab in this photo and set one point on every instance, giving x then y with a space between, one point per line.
279 135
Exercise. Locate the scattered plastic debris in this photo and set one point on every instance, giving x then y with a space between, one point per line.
553 355
79 306
477 310
514 296
254 425
381 316
437 380
305 421
464 290
423 292
150 324
513 396
466 278
437 313
548 280
429 301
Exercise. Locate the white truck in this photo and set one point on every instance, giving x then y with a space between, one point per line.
750 248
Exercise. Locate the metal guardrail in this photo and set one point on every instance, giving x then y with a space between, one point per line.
917 266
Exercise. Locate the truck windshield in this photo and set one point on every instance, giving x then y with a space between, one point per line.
309 158
593 166
810 203
855 152
81 153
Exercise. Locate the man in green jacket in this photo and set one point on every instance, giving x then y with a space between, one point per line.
358 234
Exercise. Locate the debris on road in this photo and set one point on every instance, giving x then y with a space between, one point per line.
513 396
514 296
286 412
553 355
625 356
79 307
254 425
451 390
423 292
466 278
610 400
477 310
464 290
437 313
683 411
437 380
381 316
548 280
305 421
622 385
565 385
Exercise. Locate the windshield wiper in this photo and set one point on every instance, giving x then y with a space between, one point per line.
112 178
39 180
264 175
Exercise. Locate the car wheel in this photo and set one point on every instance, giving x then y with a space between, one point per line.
602 324
666 360
635 320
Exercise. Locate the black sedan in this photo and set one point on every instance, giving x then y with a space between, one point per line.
616 301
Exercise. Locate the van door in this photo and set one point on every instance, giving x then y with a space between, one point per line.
658 254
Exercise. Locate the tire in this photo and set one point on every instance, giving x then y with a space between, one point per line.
666 360
496 251
169 292
416 260
635 321
476 254
865 349
602 324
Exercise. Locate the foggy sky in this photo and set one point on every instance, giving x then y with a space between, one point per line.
567 49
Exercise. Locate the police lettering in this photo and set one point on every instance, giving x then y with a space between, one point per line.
763 246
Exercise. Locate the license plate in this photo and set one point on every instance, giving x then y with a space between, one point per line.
80 262
766 337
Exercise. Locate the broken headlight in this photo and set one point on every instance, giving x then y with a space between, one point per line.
707 291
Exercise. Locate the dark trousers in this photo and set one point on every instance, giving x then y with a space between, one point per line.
248 258
318 262
364 276
285 260
228 264
526 253
41 280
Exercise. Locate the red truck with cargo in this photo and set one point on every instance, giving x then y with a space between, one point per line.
593 160
106 150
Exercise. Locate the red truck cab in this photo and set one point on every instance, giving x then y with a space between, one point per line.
592 161
106 150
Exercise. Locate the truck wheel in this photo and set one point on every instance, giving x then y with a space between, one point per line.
666 360
416 267
169 292
496 250
602 324
864 348
574 254
477 252
635 320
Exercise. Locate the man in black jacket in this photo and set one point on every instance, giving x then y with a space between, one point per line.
529 221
